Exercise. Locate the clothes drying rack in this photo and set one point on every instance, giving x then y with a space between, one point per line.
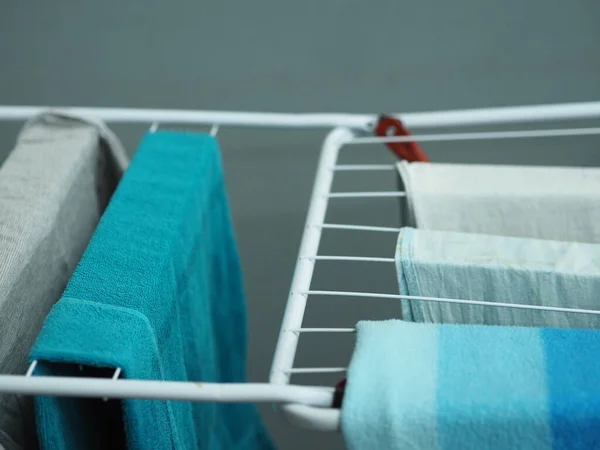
306 406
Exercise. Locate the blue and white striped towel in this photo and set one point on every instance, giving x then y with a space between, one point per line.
472 387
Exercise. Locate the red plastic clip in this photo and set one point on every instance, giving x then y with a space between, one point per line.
410 151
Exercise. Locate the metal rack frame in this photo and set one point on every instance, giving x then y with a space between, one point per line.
305 406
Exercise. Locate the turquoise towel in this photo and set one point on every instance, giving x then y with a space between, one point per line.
472 387
159 294
497 269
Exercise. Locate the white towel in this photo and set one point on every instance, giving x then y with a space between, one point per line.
559 203
497 269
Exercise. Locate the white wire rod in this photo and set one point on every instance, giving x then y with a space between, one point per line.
349 258
503 115
165 390
198 117
365 194
361 167
316 370
31 368
335 226
285 350
452 300
488 135
321 330
115 376
464 117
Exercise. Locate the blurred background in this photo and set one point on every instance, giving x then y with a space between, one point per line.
310 56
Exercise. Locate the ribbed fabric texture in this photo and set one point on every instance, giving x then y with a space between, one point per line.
557 203
159 294
472 387
54 186
497 269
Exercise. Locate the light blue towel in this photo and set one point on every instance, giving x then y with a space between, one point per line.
497 269
159 294
460 387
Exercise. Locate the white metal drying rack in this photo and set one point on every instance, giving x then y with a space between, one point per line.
305 406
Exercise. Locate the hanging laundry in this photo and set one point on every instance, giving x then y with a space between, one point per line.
497 269
453 387
158 293
54 186
560 203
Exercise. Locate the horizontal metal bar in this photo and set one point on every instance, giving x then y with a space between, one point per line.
349 258
366 194
165 390
322 330
335 226
491 135
363 167
198 117
475 116
452 300
511 114
317 370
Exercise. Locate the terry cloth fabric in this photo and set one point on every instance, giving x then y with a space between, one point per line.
497 269
472 387
558 203
158 293
54 186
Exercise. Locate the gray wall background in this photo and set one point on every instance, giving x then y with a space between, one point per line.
310 56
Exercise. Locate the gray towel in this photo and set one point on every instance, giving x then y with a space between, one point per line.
54 187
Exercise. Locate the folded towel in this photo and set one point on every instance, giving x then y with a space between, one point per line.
54 186
57 117
159 294
560 203
497 269
457 387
